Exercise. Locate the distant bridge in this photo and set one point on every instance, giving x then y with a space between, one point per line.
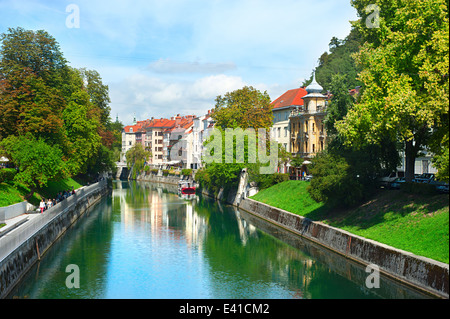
122 170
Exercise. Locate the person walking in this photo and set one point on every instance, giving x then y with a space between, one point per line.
42 206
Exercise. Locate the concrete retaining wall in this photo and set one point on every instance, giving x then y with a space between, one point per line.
15 210
423 273
20 249
161 179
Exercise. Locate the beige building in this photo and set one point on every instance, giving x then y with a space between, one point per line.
282 108
308 135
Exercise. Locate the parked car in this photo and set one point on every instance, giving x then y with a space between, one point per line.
441 187
387 179
424 178
396 184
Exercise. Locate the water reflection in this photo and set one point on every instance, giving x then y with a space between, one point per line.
146 241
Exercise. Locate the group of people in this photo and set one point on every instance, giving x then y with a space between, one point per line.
44 205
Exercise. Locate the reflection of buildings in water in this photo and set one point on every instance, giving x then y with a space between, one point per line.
155 212
245 228
196 227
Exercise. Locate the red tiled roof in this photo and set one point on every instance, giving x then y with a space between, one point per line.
291 97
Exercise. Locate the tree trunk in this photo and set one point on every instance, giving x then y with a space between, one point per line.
28 196
410 159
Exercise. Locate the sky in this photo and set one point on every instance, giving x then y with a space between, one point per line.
161 58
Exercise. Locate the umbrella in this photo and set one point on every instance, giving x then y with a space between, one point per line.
4 159
306 163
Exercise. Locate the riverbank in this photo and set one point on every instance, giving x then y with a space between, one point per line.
415 223
12 194
24 245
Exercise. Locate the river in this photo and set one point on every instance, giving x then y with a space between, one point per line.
145 241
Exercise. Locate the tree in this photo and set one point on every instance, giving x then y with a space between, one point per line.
405 64
339 60
339 104
37 51
37 162
243 108
136 157
81 128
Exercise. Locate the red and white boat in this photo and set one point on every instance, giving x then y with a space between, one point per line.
186 187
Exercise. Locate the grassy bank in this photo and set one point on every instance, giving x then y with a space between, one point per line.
415 223
11 194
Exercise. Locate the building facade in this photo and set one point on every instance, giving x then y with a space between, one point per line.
282 108
308 134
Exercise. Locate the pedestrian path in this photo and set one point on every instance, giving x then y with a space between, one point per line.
15 222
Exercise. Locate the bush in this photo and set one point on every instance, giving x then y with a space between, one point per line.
154 171
267 180
335 182
186 172
7 174
165 172
147 169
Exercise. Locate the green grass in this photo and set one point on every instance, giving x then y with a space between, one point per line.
11 194
415 223
53 188
291 196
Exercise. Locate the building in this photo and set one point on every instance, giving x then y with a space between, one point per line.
308 135
200 132
131 135
282 108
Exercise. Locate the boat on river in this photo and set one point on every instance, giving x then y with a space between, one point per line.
186 187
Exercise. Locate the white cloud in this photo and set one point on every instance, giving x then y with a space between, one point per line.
156 97
173 67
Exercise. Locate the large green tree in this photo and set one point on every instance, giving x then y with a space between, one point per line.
40 94
37 162
405 62
243 108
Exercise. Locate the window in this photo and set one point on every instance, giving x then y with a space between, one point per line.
279 132
285 131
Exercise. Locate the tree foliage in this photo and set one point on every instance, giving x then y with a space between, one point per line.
339 60
405 64
37 161
244 108
41 95
136 157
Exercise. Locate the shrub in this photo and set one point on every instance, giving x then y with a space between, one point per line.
7 174
147 169
334 182
165 172
154 171
186 172
267 180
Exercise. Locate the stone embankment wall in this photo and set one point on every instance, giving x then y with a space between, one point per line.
423 273
21 248
169 179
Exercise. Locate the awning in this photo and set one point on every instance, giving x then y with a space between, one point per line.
306 163
4 159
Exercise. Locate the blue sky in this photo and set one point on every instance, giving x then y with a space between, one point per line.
161 58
